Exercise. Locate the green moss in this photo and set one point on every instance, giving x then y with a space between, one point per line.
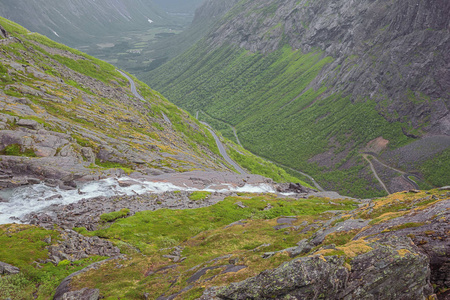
148 230
23 246
16 150
112 216
199 195
112 165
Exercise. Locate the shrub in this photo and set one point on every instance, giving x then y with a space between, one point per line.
112 216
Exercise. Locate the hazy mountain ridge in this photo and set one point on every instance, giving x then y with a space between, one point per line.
210 12
75 22
66 116
310 84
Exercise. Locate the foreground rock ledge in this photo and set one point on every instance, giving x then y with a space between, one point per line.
394 268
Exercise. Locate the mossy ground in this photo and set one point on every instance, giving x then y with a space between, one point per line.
204 236
24 246
268 100
206 240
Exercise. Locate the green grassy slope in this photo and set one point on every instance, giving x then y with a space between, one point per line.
313 96
266 97
183 145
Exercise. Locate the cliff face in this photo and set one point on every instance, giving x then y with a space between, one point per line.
311 84
382 49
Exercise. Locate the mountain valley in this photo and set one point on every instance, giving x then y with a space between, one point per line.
110 191
302 89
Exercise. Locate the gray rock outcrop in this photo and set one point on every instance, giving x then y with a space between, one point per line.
394 268
7 269
75 246
83 294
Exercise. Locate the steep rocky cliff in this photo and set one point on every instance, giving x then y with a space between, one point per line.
381 50
311 84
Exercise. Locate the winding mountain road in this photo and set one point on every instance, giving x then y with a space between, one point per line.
318 187
376 174
133 86
404 174
222 150
137 95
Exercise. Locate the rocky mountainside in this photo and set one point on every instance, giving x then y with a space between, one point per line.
206 16
312 85
242 247
72 127
77 22
66 116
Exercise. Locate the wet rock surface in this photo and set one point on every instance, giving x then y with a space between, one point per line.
381 271
7 269
86 212
75 246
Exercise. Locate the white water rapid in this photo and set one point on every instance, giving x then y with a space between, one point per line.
24 200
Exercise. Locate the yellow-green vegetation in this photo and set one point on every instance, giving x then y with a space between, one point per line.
106 165
24 247
204 234
267 98
112 216
90 94
398 204
209 237
15 150
199 195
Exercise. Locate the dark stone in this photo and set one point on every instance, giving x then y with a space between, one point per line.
31 124
84 294
127 183
233 268
296 188
200 273
286 220
33 181
7 269
395 268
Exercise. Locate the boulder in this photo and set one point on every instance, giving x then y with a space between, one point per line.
88 154
3 33
31 124
7 269
291 188
394 268
84 294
